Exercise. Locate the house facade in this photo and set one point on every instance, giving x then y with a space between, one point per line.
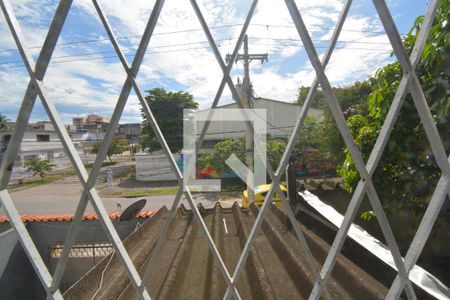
280 119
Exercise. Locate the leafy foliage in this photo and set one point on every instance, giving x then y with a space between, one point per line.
319 100
39 166
3 120
167 107
310 134
118 146
223 150
407 169
352 100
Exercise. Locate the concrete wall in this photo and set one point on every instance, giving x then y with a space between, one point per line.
280 117
8 241
17 277
30 135
154 167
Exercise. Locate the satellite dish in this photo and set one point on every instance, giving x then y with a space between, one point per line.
132 210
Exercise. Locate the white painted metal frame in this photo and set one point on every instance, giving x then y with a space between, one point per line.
409 83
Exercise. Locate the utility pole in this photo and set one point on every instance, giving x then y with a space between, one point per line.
246 93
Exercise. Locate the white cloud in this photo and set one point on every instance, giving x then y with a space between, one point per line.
94 85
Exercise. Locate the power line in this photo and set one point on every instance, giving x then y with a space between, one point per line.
325 41
166 51
336 47
113 51
109 57
192 30
243 131
123 37
326 28
201 42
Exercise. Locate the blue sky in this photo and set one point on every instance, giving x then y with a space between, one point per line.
85 75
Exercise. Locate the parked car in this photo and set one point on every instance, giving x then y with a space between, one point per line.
260 194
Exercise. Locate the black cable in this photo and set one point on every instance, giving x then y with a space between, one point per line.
168 51
191 30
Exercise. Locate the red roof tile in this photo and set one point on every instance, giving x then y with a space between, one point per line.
69 217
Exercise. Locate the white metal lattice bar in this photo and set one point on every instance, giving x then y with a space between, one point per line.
429 125
106 142
95 199
227 69
351 146
423 111
415 88
283 162
239 101
31 94
422 234
223 67
409 80
216 51
27 244
235 94
166 149
187 193
69 242
380 143
71 151
162 236
340 23
22 120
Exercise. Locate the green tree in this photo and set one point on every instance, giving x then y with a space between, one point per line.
310 134
40 167
118 146
407 170
167 107
3 120
224 149
352 100
319 100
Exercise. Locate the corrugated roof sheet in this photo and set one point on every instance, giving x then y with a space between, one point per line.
275 269
69 217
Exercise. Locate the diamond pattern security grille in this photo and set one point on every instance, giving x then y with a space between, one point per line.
409 83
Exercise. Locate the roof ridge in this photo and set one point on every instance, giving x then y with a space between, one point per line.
114 215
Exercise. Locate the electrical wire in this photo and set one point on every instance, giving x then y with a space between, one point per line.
205 41
109 57
113 51
243 131
167 51
123 37
191 30
326 28
102 276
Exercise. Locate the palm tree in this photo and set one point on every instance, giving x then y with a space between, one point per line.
3 120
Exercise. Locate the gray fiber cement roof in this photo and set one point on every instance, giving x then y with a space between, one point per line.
275 269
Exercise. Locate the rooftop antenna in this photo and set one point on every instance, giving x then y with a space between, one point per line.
132 210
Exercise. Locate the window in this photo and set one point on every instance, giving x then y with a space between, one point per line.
6 138
43 138
83 250
5 142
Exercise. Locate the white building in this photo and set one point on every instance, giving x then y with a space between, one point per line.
40 141
280 120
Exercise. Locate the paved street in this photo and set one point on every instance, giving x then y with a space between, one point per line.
62 197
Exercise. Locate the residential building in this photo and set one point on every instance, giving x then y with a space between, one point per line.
280 120
41 141
130 132
92 123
